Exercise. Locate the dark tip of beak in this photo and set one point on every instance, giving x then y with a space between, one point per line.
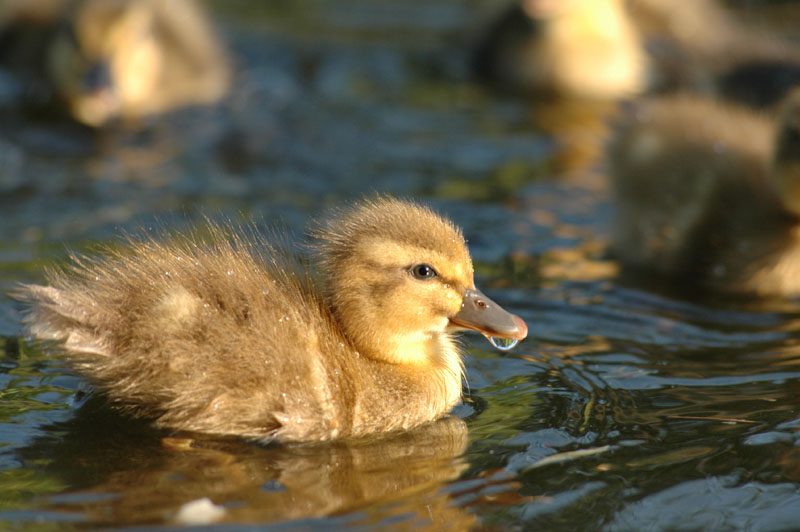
97 78
481 314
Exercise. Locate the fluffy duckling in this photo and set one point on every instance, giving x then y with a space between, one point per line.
107 59
710 192
610 49
578 48
230 336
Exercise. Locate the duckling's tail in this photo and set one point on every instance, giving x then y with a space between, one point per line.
58 316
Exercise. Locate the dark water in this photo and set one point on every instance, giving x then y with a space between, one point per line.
633 405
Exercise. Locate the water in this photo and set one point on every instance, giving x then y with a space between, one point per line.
633 404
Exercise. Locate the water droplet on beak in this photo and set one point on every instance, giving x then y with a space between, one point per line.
503 344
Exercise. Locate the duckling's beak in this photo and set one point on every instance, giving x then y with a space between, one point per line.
479 313
98 100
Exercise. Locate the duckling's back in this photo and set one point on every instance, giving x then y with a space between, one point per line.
703 46
219 337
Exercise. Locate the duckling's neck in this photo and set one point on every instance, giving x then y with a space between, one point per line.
441 369
385 339
430 355
410 392
420 349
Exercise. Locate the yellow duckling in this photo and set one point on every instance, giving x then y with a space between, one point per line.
231 336
710 192
577 48
610 49
107 59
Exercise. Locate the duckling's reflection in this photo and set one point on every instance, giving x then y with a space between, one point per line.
149 477
580 128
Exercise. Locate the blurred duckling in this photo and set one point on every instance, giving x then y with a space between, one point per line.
611 49
576 48
108 59
710 192
231 336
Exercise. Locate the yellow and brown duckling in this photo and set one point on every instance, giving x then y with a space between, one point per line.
109 59
575 48
611 49
231 336
709 192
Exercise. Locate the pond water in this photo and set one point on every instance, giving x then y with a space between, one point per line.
634 404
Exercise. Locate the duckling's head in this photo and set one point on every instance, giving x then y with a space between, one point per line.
786 165
400 279
103 56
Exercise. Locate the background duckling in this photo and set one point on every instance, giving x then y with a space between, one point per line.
105 59
611 49
583 48
229 336
709 192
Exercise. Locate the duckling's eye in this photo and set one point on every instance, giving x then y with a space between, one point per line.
423 272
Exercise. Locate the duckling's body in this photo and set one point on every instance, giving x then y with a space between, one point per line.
584 48
108 59
231 337
710 192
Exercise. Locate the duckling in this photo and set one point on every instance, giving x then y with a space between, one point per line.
107 59
611 49
710 192
233 337
576 48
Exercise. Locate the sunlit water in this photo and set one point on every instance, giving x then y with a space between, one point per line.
631 405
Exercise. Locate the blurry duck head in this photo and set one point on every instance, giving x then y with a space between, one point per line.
786 170
400 279
111 58
104 55
589 49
